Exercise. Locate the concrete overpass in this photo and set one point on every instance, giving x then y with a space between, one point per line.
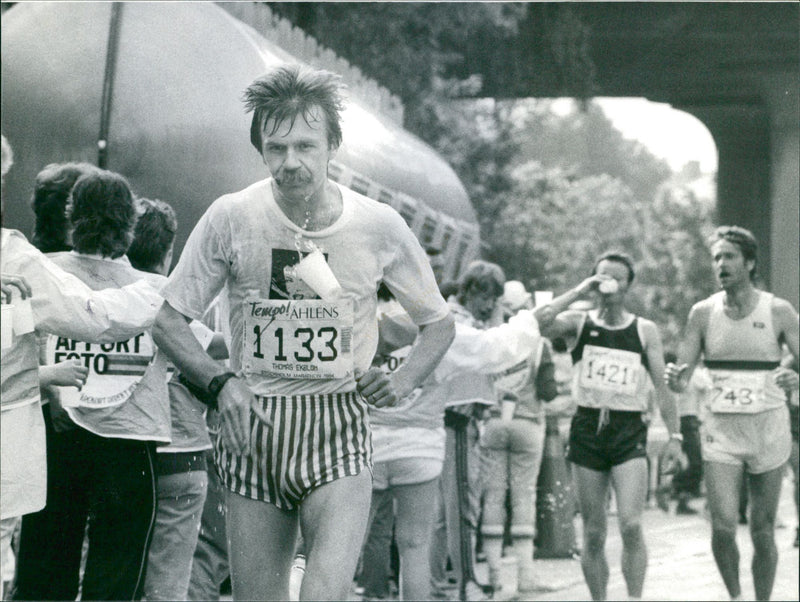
733 65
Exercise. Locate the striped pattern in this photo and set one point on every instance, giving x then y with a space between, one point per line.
316 439
740 365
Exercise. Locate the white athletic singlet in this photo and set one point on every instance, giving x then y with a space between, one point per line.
741 355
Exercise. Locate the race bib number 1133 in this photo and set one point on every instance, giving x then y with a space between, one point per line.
309 338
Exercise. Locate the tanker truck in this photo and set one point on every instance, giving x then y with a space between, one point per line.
152 90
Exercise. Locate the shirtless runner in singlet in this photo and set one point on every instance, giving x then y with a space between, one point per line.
613 352
739 332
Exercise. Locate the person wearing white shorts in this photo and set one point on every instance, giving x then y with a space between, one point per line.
739 333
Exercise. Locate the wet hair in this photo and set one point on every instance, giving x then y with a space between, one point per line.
7 159
742 238
618 257
153 234
483 276
290 91
102 212
51 191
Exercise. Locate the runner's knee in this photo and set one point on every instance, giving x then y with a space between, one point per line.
631 533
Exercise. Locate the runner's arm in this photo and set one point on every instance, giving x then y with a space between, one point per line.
172 334
655 363
551 321
677 375
786 319
432 343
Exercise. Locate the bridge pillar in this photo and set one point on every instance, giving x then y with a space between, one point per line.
783 100
758 179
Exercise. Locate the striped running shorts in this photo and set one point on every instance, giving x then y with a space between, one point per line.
315 439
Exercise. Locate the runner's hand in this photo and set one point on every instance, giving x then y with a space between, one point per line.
672 458
786 378
376 387
675 377
8 282
234 403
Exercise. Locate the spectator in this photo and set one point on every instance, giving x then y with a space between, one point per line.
512 445
180 466
37 295
104 467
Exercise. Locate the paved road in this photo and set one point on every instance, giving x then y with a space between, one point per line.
681 566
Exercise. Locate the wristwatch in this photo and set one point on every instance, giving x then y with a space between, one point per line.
217 383
677 436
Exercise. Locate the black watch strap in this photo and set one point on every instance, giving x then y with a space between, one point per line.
216 384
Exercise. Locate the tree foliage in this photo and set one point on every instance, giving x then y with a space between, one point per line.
551 191
417 50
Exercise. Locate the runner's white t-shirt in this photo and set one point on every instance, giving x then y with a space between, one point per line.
285 340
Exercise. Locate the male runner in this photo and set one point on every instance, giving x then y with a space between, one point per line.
295 444
739 332
612 350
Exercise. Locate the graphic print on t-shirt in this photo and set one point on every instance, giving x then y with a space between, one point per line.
283 284
295 334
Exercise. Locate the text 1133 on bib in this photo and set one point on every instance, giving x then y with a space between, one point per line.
298 339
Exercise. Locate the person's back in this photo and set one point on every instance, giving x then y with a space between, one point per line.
182 480
512 444
117 417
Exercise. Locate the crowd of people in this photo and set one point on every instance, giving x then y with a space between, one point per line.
302 394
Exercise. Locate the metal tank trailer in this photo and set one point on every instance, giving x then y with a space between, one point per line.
152 90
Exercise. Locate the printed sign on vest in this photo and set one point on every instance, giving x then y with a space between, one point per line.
115 369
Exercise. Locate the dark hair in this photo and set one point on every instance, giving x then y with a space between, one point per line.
102 211
49 203
292 90
448 288
484 276
618 257
742 238
153 234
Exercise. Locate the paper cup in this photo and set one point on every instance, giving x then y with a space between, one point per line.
608 287
542 297
316 273
6 326
507 408
23 318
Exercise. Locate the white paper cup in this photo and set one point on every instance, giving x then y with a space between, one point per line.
608 287
6 326
507 408
316 273
23 318
542 297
